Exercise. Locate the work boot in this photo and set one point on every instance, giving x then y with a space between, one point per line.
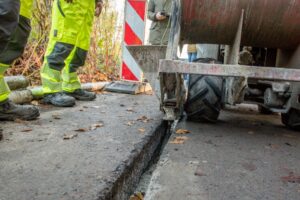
82 95
59 99
10 111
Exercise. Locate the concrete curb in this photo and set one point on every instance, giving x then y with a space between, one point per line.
125 177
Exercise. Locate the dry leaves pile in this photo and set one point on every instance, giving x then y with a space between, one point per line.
180 139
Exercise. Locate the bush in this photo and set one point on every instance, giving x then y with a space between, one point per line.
103 60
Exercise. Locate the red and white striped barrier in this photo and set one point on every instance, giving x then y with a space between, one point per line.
134 33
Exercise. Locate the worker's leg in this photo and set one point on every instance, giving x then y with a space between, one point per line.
67 22
4 90
17 42
14 49
71 84
9 15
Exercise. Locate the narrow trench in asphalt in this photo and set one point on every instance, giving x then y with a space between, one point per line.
147 174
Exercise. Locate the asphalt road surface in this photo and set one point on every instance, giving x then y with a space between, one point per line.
245 156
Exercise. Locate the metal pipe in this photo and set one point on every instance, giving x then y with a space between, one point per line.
267 23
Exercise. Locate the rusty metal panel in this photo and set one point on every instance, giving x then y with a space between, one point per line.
267 23
269 73
147 57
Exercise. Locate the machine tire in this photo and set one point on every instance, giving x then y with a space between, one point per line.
204 98
291 119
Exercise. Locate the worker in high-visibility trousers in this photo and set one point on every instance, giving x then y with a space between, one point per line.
67 50
14 32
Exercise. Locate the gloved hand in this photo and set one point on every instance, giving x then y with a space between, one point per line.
98 10
160 17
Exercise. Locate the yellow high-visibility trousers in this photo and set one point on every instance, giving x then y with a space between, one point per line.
68 45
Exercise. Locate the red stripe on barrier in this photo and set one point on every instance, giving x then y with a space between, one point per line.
130 37
127 74
139 7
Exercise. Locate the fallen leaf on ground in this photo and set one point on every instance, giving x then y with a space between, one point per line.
71 136
179 140
143 119
81 130
129 123
291 178
182 131
129 109
56 117
137 196
95 126
26 130
142 130
199 172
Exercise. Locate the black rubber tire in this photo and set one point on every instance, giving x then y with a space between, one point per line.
204 98
291 119
263 110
